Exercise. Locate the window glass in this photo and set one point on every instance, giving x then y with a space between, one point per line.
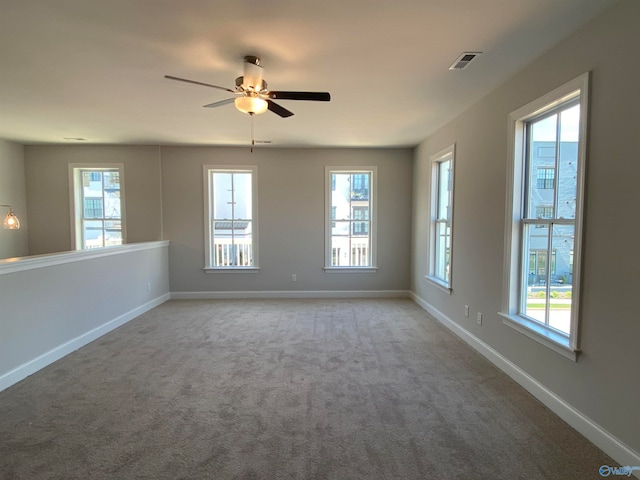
350 240
232 223
98 207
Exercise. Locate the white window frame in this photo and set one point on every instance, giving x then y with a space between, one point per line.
208 217
75 199
566 345
447 154
373 190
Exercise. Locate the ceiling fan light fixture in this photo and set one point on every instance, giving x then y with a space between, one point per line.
251 105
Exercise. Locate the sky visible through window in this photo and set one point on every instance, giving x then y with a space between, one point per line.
545 130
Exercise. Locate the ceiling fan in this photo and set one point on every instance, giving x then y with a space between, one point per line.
251 94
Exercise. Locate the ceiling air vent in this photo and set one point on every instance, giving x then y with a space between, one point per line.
463 60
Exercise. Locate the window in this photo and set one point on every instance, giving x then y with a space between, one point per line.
441 224
544 221
545 177
231 222
544 211
350 222
97 205
360 228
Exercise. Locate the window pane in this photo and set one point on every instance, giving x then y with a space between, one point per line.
360 252
340 229
340 246
242 195
232 244
561 284
545 130
112 203
541 168
442 251
341 195
568 162
444 187
93 234
112 232
536 253
111 180
222 201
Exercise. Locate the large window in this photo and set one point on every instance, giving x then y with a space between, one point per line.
231 218
544 224
97 205
441 225
350 222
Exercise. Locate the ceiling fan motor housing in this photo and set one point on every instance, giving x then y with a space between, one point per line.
242 86
252 59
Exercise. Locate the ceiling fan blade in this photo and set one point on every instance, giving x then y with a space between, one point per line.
278 109
315 96
220 103
199 83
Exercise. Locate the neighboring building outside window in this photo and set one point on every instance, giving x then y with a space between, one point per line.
544 221
231 222
441 223
545 178
350 222
97 205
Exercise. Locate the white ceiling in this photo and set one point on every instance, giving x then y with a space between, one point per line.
94 68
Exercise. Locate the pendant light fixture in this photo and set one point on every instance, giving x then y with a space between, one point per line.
11 222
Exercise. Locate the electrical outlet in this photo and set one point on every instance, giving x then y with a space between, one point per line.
466 311
148 286
479 317
294 278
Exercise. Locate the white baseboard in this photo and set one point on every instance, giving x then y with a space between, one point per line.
266 294
583 424
29 368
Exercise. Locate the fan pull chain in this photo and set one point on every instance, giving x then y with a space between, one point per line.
253 142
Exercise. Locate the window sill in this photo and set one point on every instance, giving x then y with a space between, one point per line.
545 336
231 269
350 269
436 282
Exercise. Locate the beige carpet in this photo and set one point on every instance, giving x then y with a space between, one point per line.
283 389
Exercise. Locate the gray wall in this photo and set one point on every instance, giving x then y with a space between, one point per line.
47 180
52 305
290 216
13 243
164 195
603 384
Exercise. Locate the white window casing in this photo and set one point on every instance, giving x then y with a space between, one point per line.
441 211
517 255
350 219
231 223
80 203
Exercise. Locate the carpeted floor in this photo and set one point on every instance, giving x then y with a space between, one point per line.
283 389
